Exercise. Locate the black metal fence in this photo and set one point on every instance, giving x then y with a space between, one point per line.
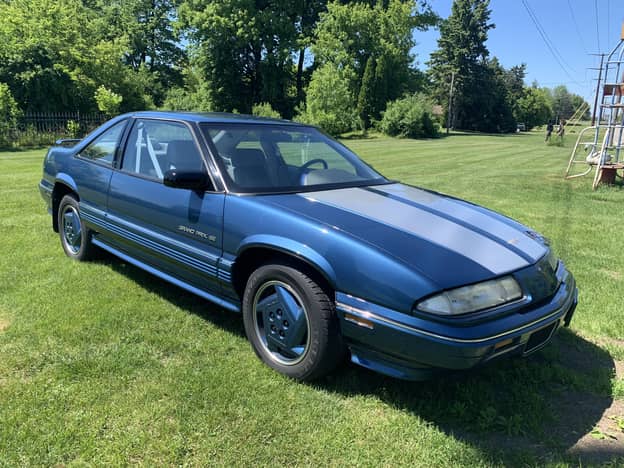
75 124
43 128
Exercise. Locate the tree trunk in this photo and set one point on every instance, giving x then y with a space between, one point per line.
300 75
257 76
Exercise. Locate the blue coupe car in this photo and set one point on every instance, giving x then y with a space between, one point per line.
322 254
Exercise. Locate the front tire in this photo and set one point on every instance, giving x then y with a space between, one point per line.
75 236
291 322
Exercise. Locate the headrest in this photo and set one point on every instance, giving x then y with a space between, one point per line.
247 157
178 149
183 154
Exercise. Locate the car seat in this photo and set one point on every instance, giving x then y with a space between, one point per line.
183 156
249 168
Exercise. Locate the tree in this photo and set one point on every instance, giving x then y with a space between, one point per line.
350 35
329 103
478 104
566 104
193 95
306 16
384 92
153 45
9 113
562 102
577 103
513 80
107 101
534 107
264 109
41 63
493 112
244 51
53 57
366 104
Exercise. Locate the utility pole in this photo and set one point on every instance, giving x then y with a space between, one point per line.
602 56
450 105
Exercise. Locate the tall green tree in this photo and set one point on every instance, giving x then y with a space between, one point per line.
153 46
479 100
9 112
53 57
329 103
306 16
498 96
366 104
245 49
534 107
513 80
349 34
564 103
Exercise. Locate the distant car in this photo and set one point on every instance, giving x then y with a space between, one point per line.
322 254
521 127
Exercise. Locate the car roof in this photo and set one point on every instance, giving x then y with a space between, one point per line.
210 117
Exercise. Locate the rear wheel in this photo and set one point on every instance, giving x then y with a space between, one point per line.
75 236
291 322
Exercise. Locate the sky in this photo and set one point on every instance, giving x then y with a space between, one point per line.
572 27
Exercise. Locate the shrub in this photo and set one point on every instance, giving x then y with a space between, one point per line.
329 103
107 100
73 128
185 99
264 109
31 137
9 113
410 117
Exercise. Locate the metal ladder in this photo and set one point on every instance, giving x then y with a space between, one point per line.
602 143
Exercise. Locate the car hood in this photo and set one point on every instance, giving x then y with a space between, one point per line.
450 241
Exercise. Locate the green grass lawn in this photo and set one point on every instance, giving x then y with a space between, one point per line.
103 364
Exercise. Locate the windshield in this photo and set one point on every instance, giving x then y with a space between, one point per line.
284 158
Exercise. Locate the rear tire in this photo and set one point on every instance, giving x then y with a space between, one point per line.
291 323
75 236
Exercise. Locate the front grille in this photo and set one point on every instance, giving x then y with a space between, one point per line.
539 338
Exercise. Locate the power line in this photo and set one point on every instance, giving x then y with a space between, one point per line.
576 26
597 27
551 47
544 35
547 40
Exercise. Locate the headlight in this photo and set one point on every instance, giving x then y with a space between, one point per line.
553 261
472 298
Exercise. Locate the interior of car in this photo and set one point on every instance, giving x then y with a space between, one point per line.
258 158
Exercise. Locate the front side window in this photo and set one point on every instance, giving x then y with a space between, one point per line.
285 158
155 146
103 148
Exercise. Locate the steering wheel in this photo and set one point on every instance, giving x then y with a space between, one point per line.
313 161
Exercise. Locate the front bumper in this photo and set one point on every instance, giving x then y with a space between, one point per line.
413 348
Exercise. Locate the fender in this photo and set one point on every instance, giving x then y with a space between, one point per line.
291 247
67 180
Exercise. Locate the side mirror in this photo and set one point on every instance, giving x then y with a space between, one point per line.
186 180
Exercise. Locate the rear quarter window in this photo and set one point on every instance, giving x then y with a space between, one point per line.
103 148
